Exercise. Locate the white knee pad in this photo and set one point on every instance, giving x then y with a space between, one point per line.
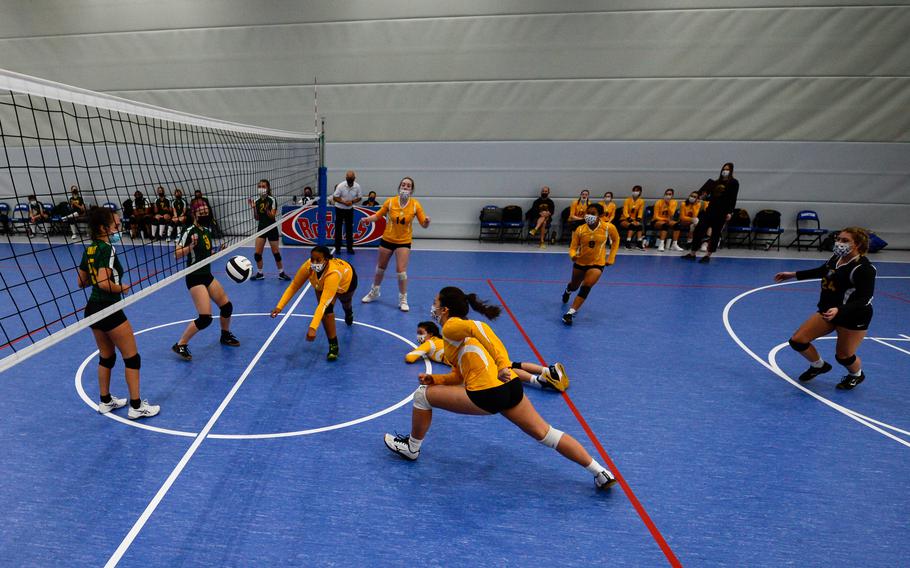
420 399
402 275
551 439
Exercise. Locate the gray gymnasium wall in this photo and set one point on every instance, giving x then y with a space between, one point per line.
482 102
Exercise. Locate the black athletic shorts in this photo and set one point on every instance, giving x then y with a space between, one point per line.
108 323
347 295
587 267
272 235
199 280
392 246
497 399
857 320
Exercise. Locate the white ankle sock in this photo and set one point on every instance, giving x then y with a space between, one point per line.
414 443
536 381
594 468
572 311
818 364
857 373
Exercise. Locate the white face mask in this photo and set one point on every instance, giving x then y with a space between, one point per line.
607 199
317 267
668 197
262 190
421 339
842 249
591 219
404 194
636 194
725 173
691 200
434 313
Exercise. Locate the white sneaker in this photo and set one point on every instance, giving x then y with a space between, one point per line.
704 247
660 247
371 295
145 410
401 445
115 403
604 479
74 237
675 246
403 303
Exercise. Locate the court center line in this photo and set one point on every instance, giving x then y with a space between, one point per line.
639 508
153 504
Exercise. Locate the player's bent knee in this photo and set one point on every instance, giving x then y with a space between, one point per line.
420 399
203 321
798 346
226 310
846 361
402 275
257 257
133 362
551 438
107 362
584 291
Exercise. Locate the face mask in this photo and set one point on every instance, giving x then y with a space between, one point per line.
725 173
691 200
591 219
842 249
668 197
205 220
114 238
317 267
198 196
607 199
434 313
262 190
636 194
350 182
178 196
161 194
544 195
404 193
421 339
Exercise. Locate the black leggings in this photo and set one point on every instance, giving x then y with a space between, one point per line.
716 224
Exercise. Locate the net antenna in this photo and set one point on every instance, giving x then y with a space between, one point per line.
54 136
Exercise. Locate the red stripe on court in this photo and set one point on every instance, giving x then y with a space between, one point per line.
639 508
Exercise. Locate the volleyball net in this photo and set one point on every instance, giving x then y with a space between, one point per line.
65 149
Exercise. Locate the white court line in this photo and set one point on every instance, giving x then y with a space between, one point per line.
140 522
889 345
777 371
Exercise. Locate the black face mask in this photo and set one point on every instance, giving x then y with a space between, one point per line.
178 196
350 182
198 196
205 220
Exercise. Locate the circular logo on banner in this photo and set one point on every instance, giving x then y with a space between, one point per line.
300 228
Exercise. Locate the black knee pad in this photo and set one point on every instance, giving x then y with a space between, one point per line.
846 361
226 310
107 362
133 362
257 257
277 256
203 321
797 346
584 291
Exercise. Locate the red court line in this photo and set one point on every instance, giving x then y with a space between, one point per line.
639 508
895 297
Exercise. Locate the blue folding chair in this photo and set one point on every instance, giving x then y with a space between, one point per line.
805 230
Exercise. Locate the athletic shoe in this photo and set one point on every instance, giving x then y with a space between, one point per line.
604 480
704 260
145 410
115 403
688 256
543 245
849 381
641 245
660 247
565 297
349 317
533 232
258 276
183 351
283 276
567 319
403 303
704 247
372 295
675 246
556 377
812 372
228 338
401 445
333 353
74 237
628 245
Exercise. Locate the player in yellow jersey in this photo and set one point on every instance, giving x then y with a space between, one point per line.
479 384
633 210
331 278
663 220
588 252
688 218
396 239
609 207
430 345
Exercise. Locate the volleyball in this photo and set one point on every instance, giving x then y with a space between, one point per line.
239 269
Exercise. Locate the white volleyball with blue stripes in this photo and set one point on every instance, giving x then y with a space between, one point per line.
239 269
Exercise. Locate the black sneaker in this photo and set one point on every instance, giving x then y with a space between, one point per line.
688 256
283 276
333 353
567 319
258 276
228 338
349 317
565 297
849 381
183 351
628 245
641 245
704 260
812 372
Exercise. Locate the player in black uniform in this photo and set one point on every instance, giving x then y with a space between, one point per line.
196 245
265 209
179 216
161 220
845 306
101 269
721 194
77 211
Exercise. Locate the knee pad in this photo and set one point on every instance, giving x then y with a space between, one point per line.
402 275
420 398
203 321
583 291
257 257
133 362
226 310
846 361
107 362
552 438
277 256
797 346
